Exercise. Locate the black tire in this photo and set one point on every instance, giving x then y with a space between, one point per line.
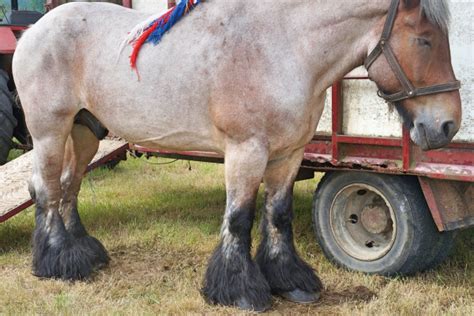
7 120
377 223
442 250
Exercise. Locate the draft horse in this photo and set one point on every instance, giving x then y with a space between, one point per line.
246 79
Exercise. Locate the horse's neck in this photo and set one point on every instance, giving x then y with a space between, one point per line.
335 35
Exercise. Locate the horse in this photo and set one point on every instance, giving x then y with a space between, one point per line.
245 79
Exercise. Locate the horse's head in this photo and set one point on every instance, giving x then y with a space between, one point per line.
411 65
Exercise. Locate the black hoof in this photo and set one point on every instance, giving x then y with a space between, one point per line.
302 297
58 255
98 254
245 305
289 276
66 261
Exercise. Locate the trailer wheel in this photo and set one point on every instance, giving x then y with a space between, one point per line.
7 120
376 223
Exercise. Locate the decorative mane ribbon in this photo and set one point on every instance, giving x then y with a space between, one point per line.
154 30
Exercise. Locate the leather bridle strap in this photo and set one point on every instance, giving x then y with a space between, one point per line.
383 47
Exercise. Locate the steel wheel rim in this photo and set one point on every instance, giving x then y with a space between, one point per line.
363 222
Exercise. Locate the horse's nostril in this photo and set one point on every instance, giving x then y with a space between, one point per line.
421 127
448 128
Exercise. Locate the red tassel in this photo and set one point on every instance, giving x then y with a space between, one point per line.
139 43
142 39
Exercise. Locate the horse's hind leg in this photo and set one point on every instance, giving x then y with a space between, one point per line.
56 253
232 278
287 274
81 147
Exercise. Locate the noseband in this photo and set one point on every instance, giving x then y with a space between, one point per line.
383 47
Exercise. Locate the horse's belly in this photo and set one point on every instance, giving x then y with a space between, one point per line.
158 128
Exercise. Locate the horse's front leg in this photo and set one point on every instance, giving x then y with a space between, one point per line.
232 278
288 275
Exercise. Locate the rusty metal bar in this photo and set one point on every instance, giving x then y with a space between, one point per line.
406 152
336 119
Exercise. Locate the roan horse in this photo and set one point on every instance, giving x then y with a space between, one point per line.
243 78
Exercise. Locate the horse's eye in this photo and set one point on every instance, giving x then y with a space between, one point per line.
423 42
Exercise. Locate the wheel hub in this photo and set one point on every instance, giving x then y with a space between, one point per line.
363 222
376 218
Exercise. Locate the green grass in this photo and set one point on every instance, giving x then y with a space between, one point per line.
14 153
160 224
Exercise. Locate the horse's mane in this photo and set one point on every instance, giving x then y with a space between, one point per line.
437 12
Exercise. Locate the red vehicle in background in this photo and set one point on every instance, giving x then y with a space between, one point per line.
12 23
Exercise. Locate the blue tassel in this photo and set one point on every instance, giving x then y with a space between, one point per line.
178 12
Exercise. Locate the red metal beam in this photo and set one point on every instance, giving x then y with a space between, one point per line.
406 152
16 210
336 119
379 141
127 3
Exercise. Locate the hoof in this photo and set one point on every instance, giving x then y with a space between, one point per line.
68 262
98 254
236 282
245 305
61 256
301 297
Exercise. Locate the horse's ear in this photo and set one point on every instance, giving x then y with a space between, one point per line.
409 4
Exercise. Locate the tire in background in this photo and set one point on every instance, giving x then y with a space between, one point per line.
7 120
377 223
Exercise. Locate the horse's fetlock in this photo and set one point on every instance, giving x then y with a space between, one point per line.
240 222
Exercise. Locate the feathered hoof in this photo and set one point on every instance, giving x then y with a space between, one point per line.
67 261
300 296
245 305
236 282
98 254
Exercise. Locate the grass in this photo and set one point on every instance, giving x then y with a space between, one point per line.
160 224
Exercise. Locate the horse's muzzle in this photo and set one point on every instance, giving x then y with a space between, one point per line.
432 135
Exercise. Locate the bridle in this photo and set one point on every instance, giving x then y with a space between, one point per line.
383 47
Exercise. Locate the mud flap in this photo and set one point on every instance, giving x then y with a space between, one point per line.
451 202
